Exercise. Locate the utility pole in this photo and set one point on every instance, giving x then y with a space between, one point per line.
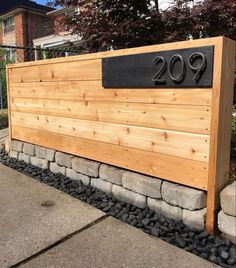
157 4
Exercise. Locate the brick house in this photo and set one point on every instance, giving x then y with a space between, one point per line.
21 21
61 37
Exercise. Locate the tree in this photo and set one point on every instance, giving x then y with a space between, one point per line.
178 21
214 18
114 24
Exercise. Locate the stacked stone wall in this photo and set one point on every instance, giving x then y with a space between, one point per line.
227 215
167 198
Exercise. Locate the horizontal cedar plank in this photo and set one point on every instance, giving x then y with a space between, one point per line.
77 70
93 90
161 47
180 144
183 171
195 119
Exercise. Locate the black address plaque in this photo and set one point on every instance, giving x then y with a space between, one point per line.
191 67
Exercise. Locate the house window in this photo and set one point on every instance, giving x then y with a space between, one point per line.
70 13
8 25
10 55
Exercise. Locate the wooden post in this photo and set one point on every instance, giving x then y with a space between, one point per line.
9 107
221 125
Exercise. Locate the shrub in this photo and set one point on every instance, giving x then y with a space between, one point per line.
3 83
3 119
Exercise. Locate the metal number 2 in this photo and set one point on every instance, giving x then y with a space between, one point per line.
158 75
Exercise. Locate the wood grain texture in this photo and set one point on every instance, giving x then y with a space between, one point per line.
186 172
221 124
194 119
180 144
77 70
9 107
93 90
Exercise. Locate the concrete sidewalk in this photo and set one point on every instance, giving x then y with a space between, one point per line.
34 216
43 227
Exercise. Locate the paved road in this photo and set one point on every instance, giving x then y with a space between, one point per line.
43 227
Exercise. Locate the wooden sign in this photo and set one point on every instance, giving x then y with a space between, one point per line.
180 133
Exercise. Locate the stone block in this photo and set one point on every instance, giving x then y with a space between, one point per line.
29 149
229 237
45 153
24 157
55 168
184 197
228 199
38 162
102 185
161 207
130 197
227 224
111 174
63 159
13 154
17 146
73 175
141 184
85 166
195 219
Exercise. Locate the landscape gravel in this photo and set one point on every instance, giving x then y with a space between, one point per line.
213 248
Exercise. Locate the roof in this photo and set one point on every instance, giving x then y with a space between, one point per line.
60 10
7 6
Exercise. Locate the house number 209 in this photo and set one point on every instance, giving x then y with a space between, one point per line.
163 66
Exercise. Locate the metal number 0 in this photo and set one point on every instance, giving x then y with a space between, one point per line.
177 78
200 68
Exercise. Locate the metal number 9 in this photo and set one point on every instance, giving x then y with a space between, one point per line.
199 69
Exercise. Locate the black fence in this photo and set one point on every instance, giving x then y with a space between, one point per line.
16 54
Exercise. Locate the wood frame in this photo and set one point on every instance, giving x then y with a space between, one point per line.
221 125
211 174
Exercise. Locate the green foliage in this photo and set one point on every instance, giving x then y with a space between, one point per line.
3 119
3 83
115 24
